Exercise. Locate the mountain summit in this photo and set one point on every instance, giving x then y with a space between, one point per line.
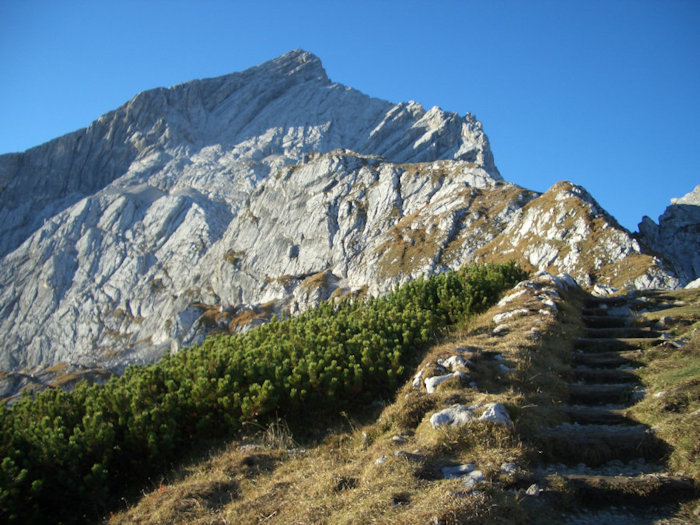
214 204
251 122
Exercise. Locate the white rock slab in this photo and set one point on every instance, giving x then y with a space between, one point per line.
431 383
496 413
455 415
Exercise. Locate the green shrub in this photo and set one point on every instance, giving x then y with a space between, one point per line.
67 455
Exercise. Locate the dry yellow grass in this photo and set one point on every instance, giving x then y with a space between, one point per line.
672 378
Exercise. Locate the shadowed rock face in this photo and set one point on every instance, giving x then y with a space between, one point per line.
213 204
677 236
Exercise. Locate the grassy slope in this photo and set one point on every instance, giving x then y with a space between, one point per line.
672 379
333 478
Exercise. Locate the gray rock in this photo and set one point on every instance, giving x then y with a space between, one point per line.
408 455
676 235
533 490
417 378
501 329
453 363
456 415
380 460
496 413
472 479
457 471
431 383
509 468
499 318
602 290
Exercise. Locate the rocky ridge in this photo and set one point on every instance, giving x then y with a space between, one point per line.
677 235
214 204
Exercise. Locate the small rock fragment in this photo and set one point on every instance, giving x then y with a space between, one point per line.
477 476
380 460
398 440
664 322
501 329
602 290
533 490
471 479
499 318
417 377
457 471
510 297
550 304
509 468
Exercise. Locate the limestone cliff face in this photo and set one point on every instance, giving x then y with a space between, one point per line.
677 236
236 128
212 205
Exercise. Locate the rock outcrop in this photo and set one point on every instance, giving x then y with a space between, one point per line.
212 205
677 236
566 230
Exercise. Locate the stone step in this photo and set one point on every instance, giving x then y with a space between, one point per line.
609 306
604 375
602 321
608 415
641 490
621 332
606 344
607 359
595 445
597 394
620 312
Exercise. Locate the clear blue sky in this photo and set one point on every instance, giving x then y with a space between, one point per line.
605 94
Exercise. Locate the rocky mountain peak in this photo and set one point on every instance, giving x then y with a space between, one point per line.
213 204
300 63
246 124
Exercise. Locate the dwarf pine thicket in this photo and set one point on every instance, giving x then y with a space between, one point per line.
70 455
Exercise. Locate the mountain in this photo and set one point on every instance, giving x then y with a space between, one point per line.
677 235
212 205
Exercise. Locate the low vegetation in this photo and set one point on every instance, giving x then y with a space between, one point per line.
333 476
70 456
672 378
383 464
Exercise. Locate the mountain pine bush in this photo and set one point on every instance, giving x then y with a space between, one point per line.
69 456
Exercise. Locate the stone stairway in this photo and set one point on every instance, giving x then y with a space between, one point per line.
605 458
